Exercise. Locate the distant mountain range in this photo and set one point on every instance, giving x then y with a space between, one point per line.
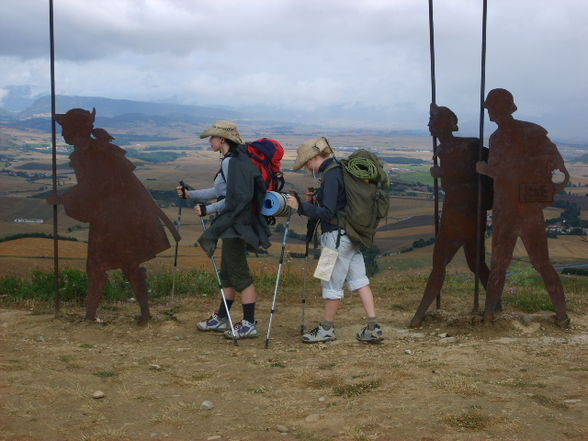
115 112
121 114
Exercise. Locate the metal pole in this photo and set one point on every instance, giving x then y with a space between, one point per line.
481 147
54 160
434 101
278 277
303 299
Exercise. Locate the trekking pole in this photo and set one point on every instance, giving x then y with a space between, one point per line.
178 224
220 285
311 226
303 299
278 277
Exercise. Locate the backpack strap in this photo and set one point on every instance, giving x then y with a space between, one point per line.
330 167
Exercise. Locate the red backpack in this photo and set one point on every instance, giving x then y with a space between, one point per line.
266 154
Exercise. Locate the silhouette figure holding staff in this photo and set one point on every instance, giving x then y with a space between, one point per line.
125 222
459 180
522 161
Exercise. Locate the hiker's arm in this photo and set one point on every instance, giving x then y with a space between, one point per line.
219 189
204 194
328 208
220 185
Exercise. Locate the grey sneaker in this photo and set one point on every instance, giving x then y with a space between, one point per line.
243 329
375 335
319 334
213 323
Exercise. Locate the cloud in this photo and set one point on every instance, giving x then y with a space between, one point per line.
306 54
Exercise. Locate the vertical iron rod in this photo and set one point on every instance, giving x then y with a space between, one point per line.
54 160
434 101
481 135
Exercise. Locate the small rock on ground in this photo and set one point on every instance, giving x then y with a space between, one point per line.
312 418
208 405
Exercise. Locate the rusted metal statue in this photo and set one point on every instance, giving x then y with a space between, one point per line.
459 224
125 222
522 161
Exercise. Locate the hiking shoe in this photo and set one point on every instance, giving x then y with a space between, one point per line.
370 335
243 329
213 323
319 334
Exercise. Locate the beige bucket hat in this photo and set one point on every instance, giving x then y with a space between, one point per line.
309 149
224 129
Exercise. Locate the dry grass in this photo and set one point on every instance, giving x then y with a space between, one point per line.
108 434
520 382
176 413
356 389
548 401
459 385
471 420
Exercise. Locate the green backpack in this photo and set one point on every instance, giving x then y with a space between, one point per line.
365 183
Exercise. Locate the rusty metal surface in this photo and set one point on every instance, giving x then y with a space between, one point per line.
125 223
459 223
522 160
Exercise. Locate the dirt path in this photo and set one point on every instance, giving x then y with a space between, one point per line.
511 381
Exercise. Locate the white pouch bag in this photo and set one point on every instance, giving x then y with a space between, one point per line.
326 263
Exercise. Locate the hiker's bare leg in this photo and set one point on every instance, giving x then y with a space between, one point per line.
248 295
367 300
331 308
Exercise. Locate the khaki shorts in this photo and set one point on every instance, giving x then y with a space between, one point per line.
349 268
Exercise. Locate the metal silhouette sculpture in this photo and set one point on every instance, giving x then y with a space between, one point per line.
459 226
522 160
125 223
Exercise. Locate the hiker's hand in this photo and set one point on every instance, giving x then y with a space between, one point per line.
310 195
436 171
200 209
293 201
181 192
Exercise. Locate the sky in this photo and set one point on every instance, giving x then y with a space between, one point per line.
364 62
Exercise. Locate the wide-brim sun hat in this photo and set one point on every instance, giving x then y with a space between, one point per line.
309 149
224 129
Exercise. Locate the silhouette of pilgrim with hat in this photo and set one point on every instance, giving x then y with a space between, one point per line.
125 222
